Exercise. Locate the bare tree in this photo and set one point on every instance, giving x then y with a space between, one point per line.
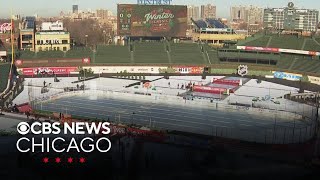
87 32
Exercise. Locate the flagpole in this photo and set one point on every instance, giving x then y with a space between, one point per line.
12 41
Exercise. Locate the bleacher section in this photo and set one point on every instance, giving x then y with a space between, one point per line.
285 61
154 53
299 64
26 55
215 23
194 53
4 74
49 54
112 54
283 41
212 53
186 53
78 53
209 23
311 45
254 57
286 42
260 42
200 24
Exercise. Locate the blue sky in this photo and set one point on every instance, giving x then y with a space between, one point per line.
53 7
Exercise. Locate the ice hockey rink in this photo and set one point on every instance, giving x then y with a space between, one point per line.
108 99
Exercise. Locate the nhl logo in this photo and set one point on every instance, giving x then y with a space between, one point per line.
242 70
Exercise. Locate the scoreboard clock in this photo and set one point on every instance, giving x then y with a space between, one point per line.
290 5
125 20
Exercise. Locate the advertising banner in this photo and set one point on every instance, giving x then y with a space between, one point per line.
314 80
123 69
5 27
48 70
250 48
287 76
146 69
52 26
275 50
152 20
208 89
188 70
3 53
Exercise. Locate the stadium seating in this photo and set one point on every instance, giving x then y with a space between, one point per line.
112 54
26 55
212 53
4 74
285 61
286 42
311 45
246 55
260 42
299 64
282 41
215 23
154 52
49 54
79 53
249 39
201 24
183 53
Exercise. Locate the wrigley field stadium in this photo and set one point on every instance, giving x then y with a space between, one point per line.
157 92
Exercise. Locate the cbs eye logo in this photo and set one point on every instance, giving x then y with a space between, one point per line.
23 128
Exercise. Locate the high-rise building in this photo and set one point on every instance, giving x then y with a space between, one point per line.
247 14
193 12
27 33
291 18
208 11
103 13
75 9
255 15
238 13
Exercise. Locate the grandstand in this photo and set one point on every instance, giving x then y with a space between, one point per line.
165 52
215 23
209 23
112 54
312 45
283 41
286 42
151 53
78 53
186 54
4 74
249 57
259 42
200 24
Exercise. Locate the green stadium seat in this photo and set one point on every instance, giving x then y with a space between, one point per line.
112 54
183 53
151 52
4 75
79 53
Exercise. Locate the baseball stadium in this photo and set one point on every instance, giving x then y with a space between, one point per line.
260 88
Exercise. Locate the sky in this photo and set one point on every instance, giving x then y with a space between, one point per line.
47 8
